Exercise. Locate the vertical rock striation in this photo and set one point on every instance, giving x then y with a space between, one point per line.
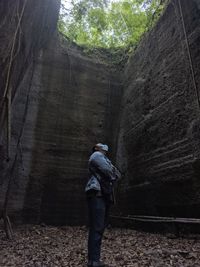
160 128
64 101
25 28
76 102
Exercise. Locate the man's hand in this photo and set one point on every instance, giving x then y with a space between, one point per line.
116 173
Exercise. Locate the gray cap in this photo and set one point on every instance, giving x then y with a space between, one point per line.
102 146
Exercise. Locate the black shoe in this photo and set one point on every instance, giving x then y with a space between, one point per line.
96 264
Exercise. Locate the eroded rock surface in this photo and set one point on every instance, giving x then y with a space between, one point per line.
65 101
76 100
159 136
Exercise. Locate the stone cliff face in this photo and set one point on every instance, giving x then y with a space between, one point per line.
159 134
64 102
76 100
25 28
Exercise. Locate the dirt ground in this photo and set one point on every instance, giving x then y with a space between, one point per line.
42 246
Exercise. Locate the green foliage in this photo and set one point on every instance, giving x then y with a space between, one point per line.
108 24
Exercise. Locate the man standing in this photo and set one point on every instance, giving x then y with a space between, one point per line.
99 190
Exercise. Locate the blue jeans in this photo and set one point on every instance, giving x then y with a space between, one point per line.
98 211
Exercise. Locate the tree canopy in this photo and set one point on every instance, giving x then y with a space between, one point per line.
106 23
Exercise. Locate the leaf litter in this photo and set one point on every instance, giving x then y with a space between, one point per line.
47 246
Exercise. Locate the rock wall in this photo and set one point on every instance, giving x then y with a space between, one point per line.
25 28
76 101
72 103
64 101
159 147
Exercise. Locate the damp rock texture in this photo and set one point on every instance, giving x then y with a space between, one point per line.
71 103
64 101
25 28
67 247
158 147
75 102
